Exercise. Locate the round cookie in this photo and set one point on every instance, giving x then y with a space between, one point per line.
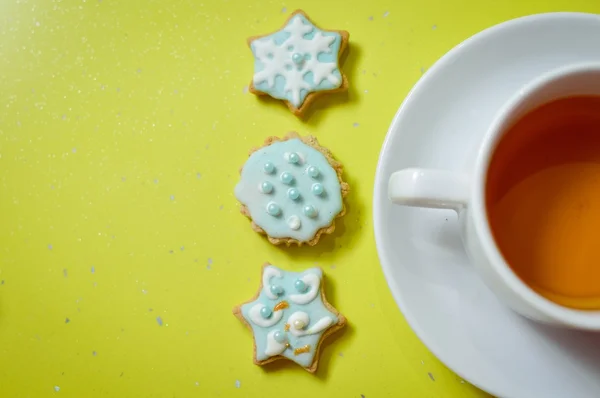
292 190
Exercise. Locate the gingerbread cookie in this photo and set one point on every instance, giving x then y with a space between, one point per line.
289 317
298 63
292 190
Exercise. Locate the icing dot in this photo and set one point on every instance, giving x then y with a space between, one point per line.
273 209
293 157
294 222
266 187
298 324
279 336
287 178
309 211
293 193
266 312
276 290
317 189
269 168
312 171
297 58
300 286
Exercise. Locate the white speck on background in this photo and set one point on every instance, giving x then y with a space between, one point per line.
355 124
238 384
284 9
56 388
434 27
371 18
385 14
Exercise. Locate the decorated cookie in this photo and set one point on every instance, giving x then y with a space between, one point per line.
292 190
298 62
289 317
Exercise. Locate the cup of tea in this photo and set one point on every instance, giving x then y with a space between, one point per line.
530 209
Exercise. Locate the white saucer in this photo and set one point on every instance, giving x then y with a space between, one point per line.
440 125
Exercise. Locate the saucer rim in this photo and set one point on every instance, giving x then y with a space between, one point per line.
380 183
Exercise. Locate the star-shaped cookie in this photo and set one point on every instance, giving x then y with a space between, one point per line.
298 63
289 317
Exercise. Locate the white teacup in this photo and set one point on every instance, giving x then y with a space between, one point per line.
466 194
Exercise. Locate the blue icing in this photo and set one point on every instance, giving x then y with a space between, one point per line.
328 204
315 310
275 52
280 36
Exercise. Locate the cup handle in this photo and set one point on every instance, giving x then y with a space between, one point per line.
437 189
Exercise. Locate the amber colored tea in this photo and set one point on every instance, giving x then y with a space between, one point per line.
543 200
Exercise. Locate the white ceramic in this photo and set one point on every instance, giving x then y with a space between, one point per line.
441 125
465 193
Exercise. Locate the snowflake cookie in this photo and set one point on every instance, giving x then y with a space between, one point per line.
292 190
298 62
289 317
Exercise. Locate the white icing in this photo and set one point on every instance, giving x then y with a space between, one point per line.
312 281
294 318
321 325
294 222
301 316
257 318
273 346
269 273
277 60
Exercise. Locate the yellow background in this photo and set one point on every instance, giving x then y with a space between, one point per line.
122 128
